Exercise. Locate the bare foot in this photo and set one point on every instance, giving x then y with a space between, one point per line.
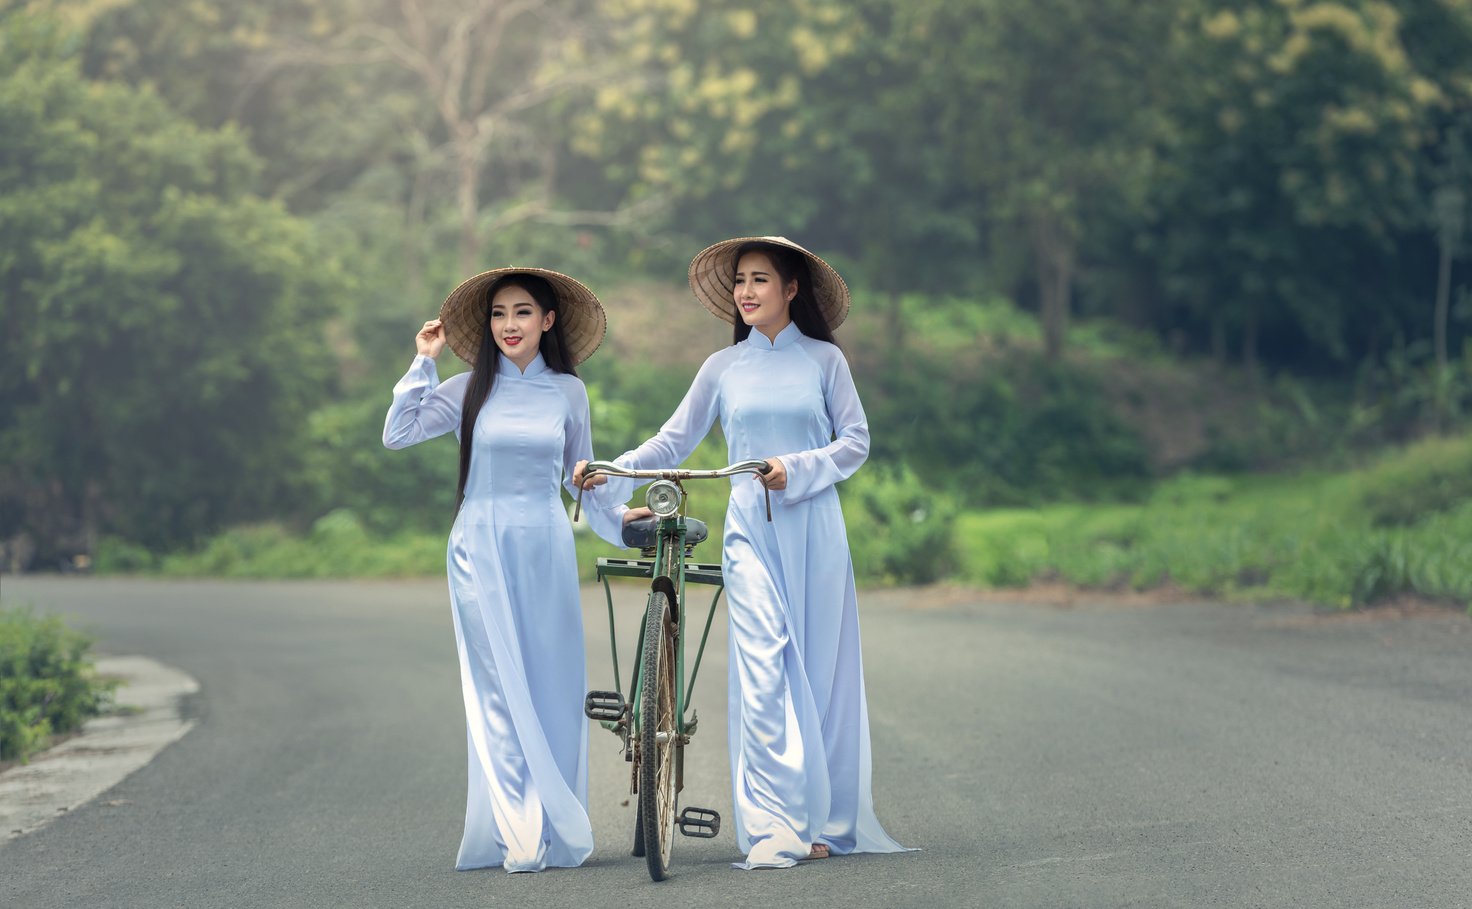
820 851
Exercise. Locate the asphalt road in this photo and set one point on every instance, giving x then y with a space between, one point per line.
1092 756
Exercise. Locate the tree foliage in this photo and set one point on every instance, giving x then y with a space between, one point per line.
163 348
1307 137
1256 179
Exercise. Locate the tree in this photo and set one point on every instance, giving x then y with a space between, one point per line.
400 126
1294 213
1054 108
162 346
482 66
814 120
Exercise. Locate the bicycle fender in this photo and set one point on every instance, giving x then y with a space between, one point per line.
666 586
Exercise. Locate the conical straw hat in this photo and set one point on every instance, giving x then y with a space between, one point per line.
465 313
713 271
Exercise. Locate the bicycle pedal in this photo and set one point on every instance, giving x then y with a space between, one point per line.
699 822
604 705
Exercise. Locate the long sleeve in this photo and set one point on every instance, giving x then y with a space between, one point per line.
810 472
681 434
686 427
603 512
423 407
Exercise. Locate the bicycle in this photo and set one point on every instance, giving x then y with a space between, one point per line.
652 722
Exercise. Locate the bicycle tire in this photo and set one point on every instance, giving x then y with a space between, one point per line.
657 735
638 851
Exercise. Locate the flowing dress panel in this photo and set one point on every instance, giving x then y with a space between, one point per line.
798 719
518 623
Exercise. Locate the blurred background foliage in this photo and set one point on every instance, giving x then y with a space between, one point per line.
1099 251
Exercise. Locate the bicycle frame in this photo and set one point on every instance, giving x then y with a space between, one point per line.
652 721
667 562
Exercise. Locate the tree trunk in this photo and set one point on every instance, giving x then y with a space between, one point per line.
1055 261
1438 331
468 200
91 506
413 228
1219 338
1055 311
1249 342
896 326
1443 293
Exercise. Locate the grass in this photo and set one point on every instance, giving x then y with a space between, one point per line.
340 549
1401 526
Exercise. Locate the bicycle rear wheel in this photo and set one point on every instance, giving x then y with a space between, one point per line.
657 736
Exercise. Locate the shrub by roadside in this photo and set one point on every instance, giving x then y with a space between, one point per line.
47 683
899 531
1402 526
338 546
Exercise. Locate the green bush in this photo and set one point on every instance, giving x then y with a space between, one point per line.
898 530
1002 548
1012 430
338 546
118 556
1305 536
1425 479
47 684
346 466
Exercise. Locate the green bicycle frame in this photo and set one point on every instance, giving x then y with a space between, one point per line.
669 562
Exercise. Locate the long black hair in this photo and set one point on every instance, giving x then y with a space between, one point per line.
483 375
791 265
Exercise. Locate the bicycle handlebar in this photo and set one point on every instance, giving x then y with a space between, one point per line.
595 468
730 470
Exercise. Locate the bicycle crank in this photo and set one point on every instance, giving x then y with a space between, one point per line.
699 822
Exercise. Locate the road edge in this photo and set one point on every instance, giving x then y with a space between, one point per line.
107 750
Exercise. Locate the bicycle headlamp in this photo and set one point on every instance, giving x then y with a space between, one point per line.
664 498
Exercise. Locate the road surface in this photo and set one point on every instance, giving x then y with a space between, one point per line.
1093 756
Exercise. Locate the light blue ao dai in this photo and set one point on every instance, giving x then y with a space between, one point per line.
514 592
799 723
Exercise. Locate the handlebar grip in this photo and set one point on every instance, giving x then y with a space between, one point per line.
764 469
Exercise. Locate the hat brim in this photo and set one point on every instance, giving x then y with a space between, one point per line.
464 313
713 271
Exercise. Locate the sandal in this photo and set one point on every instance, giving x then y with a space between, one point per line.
819 851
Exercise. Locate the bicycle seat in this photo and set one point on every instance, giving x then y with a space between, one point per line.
643 533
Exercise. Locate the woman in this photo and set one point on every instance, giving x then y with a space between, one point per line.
521 415
799 726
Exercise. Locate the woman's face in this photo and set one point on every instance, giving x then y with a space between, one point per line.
760 296
517 324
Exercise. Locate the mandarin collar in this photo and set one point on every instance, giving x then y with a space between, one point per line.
504 367
785 337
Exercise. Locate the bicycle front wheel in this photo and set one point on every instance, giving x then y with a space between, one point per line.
657 736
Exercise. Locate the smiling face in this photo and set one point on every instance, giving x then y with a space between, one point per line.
517 324
762 299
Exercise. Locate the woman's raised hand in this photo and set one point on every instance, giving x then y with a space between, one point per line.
431 338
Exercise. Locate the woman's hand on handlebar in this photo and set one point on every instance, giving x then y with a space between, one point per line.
776 477
589 483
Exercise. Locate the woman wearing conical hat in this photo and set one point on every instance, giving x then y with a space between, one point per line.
799 725
521 415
